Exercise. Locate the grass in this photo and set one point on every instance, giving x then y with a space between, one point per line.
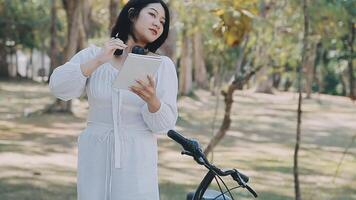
38 152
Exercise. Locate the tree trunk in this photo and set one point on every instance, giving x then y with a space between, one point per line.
324 63
214 82
4 70
54 45
185 75
12 64
350 64
113 9
82 37
265 83
309 69
200 74
18 75
169 47
299 116
265 80
276 78
29 67
239 81
343 84
73 10
75 36
228 99
87 20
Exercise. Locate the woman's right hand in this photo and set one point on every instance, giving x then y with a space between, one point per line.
106 54
107 51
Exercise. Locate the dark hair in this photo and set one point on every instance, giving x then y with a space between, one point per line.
124 26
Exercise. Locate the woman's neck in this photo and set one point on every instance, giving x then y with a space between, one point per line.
131 43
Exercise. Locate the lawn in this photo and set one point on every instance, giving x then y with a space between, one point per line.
38 151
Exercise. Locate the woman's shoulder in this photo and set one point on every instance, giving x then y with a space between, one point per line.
167 67
93 49
85 54
168 62
165 59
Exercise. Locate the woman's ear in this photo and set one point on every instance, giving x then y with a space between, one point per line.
130 14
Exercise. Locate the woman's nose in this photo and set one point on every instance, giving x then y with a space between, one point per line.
156 24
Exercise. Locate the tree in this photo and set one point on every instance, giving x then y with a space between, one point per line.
22 25
169 47
234 25
113 9
299 114
76 40
185 70
200 73
265 81
54 44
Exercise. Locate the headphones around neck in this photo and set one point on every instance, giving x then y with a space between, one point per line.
135 49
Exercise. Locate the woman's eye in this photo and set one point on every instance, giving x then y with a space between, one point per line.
152 14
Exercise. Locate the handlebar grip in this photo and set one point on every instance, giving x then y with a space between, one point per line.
180 139
244 177
237 176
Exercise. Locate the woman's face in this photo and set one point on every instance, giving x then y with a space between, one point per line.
149 24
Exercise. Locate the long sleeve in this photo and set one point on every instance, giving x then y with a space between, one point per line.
67 81
166 89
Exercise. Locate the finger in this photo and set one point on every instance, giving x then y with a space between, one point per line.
139 92
115 46
117 41
115 38
151 80
142 84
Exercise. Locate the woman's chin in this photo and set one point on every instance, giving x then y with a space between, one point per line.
151 38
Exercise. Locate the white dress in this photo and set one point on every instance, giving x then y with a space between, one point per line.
117 151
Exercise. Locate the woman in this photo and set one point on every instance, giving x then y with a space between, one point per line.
117 151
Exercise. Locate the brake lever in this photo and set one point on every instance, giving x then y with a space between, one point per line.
199 159
239 179
186 153
251 191
243 184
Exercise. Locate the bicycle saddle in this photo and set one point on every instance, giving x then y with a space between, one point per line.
209 195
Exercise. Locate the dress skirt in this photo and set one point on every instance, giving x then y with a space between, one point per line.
97 176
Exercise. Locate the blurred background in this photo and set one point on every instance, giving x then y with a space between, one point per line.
241 66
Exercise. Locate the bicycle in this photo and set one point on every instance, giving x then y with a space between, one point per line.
192 148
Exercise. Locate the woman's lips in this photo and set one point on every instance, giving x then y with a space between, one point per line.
154 32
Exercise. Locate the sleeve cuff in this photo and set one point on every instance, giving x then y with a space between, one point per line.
160 121
79 70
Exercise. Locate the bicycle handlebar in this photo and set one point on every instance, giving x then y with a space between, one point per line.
192 148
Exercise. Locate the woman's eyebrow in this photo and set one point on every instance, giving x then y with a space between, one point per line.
157 12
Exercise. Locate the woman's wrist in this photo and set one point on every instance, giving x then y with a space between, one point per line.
154 105
90 66
98 60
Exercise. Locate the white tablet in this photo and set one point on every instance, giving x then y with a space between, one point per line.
136 67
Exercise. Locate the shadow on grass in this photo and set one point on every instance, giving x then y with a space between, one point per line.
172 191
20 188
40 135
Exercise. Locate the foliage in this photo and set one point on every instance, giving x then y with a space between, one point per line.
23 22
271 29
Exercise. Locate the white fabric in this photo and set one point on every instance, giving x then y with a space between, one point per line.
117 151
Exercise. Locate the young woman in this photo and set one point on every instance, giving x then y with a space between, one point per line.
117 151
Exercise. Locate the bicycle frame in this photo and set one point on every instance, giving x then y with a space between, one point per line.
204 185
202 191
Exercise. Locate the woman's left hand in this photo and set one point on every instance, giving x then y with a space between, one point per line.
147 92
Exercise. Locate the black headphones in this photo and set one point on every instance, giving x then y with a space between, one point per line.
135 49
